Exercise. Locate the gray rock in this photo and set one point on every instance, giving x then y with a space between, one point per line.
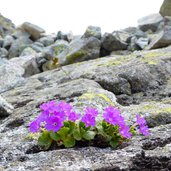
37 46
64 36
28 51
135 32
132 44
165 9
19 32
112 42
142 42
161 39
80 50
5 108
28 63
46 41
8 40
55 49
6 26
92 31
18 46
33 30
150 22
62 83
167 20
3 53
11 75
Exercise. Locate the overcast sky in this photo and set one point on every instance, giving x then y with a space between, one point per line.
76 15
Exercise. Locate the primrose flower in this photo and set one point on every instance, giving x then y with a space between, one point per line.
74 116
143 128
124 131
112 115
34 126
89 117
53 124
48 105
91 111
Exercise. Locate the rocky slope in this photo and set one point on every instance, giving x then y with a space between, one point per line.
129 68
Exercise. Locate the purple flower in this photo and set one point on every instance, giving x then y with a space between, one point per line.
89 120
112 116
91 111
124 131
48 105
140 121
74 116
34 126
143 128
53 124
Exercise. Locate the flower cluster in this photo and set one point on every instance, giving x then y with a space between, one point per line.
59 122
112 115
143 128
53 115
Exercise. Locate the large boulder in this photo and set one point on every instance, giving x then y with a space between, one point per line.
18 46
112 42
80 50
64 36
34 30
52 52
47 40
92 31
150 22
161 39
6 26
165 9
93 83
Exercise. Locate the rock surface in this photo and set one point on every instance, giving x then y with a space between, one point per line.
33 30
6 26
62 67
165 9
150 22
97 83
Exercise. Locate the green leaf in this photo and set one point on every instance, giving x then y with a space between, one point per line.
72 126
63 132
55 136
113 143
77 135
89 135
69 142
44 140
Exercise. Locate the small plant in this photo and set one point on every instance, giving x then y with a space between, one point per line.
59 123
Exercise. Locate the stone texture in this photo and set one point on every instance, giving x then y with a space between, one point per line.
165 9
3 53
80 50
161 39
112 42
6 26
92 31
34 30
18 46
5 108
150 22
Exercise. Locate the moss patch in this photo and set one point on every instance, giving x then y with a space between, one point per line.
75 56
91 96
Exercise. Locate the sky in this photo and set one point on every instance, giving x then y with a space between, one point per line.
76 15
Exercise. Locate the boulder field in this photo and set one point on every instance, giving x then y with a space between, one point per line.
129 69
